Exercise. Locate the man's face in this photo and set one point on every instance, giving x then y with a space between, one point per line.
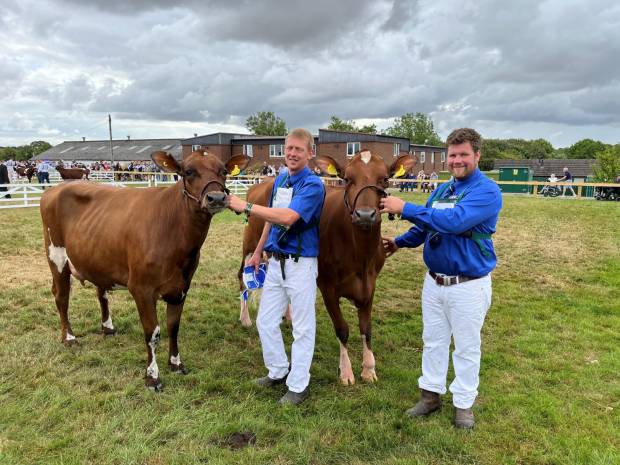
462 160
297 154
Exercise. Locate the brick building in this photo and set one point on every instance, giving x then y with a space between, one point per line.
337 144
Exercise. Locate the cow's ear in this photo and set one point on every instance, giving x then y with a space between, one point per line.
329 166
238 161
402 166
166 162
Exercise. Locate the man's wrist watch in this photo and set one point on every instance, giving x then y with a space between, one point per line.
248 208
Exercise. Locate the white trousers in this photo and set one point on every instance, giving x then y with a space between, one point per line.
453 311
299 288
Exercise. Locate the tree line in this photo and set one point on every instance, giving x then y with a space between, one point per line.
24 152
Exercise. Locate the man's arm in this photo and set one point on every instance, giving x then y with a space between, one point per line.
256 257
282 216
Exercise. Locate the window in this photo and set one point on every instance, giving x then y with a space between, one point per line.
443 157
276 151
352 148
314 149
396 151
195 148
422 157
248 150
433 158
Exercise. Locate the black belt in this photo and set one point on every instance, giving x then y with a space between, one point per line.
451 280
282 257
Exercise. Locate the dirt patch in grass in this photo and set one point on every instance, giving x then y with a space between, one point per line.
23 270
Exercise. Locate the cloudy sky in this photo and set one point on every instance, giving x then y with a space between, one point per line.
525 69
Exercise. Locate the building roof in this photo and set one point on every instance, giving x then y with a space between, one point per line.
580 167
124 150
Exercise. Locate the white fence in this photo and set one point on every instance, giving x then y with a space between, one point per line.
23 194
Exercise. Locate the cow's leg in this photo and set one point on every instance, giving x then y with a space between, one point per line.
173 320
106 320
332 303
368 359
146 303
61 288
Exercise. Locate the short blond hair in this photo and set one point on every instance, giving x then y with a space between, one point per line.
303 134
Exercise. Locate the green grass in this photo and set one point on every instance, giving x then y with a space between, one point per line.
549 391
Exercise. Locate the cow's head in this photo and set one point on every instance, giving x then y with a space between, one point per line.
203 176
366 176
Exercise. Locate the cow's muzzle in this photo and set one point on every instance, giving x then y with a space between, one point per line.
365 217
211 201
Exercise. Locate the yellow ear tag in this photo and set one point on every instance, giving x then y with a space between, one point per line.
235 171
401 172
331 169
165 163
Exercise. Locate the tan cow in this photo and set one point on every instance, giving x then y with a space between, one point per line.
145 240
350 252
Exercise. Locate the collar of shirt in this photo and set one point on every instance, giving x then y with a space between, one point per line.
294 179
473 177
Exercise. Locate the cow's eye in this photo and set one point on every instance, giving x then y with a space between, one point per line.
190 172
223 172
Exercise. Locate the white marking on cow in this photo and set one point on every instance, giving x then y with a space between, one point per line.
108 323
57 255
70 337
175 360
152 370
366 156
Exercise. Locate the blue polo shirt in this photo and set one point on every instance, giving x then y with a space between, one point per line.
477 210
307 201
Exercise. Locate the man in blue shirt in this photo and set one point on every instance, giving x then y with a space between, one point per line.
291 239
455 227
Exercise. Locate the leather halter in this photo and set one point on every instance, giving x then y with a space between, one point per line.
204 192
351 209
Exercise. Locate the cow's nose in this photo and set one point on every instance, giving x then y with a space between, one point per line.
216 197
365 216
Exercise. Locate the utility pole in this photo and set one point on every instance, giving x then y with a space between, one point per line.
111 148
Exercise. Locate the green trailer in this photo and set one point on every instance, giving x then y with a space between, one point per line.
516 173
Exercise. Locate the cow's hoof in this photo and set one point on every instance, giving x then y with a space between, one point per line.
178 369
154 384
347 378
369 375
70 342
108 331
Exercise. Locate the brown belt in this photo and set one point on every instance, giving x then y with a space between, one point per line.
451 280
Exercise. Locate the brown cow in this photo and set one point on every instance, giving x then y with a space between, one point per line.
72 173
26 171
155 233
350 252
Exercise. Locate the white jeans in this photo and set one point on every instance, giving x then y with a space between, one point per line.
299 288
453 311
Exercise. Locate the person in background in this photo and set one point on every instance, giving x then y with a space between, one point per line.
568 177
4 178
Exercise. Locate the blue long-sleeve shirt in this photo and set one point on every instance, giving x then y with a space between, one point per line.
477 211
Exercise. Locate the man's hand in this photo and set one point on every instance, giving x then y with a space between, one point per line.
389 245
235 203
254 260
392 204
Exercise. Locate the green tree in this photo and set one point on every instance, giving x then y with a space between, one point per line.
418 128
608 164
586 148
337 124
39 146
266 123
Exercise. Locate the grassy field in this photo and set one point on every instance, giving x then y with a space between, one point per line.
549 394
